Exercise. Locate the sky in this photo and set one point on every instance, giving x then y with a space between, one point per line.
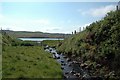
51 17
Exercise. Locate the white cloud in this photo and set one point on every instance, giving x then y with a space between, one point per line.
43 25
77 27
99 12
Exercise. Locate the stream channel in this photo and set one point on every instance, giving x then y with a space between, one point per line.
70 69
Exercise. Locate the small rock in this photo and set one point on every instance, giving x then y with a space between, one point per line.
73 72
58 57
63 64
62 68
62 61
65 77
66 72
64 57
85 76
69 65
77 74
68 59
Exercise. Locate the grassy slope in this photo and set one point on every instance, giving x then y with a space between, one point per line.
52 43
98 44
25 60
30 62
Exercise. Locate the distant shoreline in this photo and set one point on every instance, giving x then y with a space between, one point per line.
24 34
42 37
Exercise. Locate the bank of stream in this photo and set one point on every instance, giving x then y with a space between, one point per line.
71 69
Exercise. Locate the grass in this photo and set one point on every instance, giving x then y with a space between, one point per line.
52 42
29 62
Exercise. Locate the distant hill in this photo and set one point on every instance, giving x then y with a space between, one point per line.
28 34
98 46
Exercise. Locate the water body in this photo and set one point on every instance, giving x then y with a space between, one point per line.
40 39
71 71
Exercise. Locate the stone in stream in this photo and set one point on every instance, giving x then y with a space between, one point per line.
53 52
53 56
77 74
83 65
47 50
98 66
66 72
63 64
69 64
65 76
50 49
75 62
46 47
73 55
58 57
86 76
62 67
64 57
62 61
72 72
68 59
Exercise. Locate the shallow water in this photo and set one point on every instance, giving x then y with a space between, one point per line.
67 66
39 39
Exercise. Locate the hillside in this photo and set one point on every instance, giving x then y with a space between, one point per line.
6 39
98 47
22 59
35 34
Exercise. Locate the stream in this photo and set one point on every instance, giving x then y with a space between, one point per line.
71 70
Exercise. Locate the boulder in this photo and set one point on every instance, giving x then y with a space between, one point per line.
77 74
62 68
68 59
66 72
72 72
62 61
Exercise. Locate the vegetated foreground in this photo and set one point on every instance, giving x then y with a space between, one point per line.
25 59
97 48
29 62
52 43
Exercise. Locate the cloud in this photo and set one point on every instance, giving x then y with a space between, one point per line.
43 25
17 24
99 12
83 26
